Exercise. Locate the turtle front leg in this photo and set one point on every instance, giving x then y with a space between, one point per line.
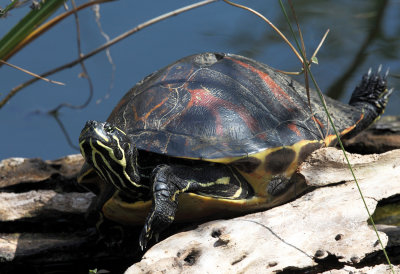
165 188
168 182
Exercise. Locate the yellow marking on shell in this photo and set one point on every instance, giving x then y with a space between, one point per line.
191 207
99 133
330 138
260 178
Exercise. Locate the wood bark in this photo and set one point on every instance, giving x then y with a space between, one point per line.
326 227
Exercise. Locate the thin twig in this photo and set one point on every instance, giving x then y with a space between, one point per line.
85 72
63 129
55 112
312 57
303 50
9 7
320 44
96 10
106 45
323 97
31 73
269 23
306 68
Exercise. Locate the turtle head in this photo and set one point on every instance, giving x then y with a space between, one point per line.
109 150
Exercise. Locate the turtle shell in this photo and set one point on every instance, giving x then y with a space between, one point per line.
214 107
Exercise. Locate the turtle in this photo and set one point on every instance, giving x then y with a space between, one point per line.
213 135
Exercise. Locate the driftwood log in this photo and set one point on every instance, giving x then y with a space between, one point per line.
43 225
327 225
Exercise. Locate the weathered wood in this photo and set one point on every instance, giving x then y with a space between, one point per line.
42 218
42 203
325 225
15 171
328 166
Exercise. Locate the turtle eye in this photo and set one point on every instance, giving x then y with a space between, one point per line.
108 128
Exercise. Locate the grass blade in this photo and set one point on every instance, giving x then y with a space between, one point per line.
319 92
27 24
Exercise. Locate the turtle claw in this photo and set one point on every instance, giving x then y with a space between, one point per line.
387 73
142 242
379 69
145 237
390 91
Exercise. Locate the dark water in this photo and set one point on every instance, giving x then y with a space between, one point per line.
388 214
364 33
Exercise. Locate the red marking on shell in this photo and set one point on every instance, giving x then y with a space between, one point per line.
318 121
294 128
145 116
279 93
205 98
332 137
263 136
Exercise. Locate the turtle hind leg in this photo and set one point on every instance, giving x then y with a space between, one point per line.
371 95
168 182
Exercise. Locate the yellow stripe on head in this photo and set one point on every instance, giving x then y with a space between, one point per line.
99 133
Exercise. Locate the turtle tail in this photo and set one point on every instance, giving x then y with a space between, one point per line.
371 97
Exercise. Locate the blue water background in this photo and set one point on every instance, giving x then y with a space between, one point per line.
26 130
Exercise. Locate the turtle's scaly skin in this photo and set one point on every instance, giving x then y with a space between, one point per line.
217 134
